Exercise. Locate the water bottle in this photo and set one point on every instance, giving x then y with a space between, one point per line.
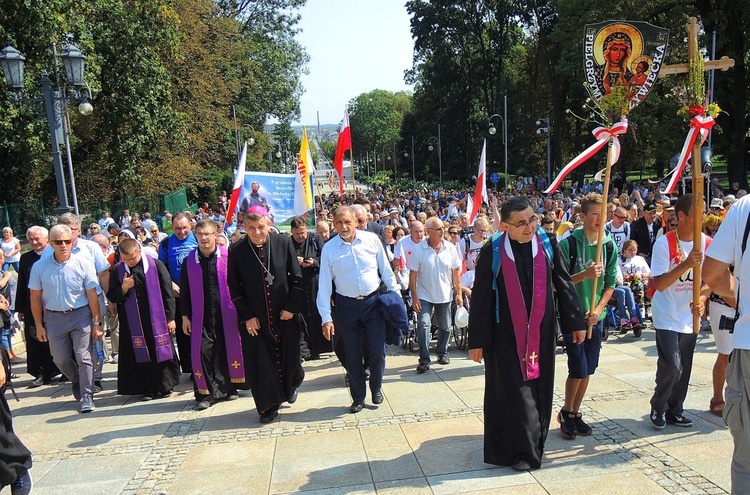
99 346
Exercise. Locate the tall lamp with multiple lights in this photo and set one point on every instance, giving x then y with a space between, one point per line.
55 103
431 146
492 130
546 130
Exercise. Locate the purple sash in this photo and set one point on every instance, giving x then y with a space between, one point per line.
162 339
229 321
527 332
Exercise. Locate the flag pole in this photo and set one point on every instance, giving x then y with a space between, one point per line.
351 154
602 221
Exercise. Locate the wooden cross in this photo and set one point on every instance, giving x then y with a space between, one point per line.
723 64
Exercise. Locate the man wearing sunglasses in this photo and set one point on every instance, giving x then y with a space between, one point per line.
618 228
66 312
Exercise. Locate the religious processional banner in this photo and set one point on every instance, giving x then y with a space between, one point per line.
276 191
626 54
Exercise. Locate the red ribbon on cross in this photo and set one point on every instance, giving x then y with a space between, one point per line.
603 135
699 125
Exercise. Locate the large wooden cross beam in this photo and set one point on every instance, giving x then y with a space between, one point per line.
697 167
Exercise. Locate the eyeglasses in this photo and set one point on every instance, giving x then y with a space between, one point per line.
60 242
673 225
525 223
204 234
621 217
454 233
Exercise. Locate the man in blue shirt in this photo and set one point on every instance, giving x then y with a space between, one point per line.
66 312
356 262
172 252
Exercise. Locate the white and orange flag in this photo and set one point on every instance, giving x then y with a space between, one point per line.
480 194
303 195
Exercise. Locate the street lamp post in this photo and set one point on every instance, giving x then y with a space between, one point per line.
55 103
430 146
409 150
546 129
493 131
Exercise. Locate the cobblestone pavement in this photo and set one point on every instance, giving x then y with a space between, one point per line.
426 437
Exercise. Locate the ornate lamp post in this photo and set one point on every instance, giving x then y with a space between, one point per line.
546 130
493 131
431 142
55 104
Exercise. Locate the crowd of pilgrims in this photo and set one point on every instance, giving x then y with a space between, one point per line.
211 274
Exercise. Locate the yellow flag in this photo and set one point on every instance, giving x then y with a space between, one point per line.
303 195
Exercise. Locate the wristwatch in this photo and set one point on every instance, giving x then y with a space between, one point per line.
98 323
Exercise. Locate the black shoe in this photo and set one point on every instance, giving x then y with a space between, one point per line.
567 424
356 407
581 427
63 379
269 416
98 386
521 466
164 395
204 404
147 397
658 419
444 360
233 396
678 420
22 485
77 390
37 382
423 367
293 398
377 397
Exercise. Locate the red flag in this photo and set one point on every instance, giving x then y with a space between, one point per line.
345 143
480 195
239 180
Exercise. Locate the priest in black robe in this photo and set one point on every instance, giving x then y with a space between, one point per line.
146 366
209 317
265 282
308 247
39 362
519 365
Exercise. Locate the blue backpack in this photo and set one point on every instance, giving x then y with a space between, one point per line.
496 261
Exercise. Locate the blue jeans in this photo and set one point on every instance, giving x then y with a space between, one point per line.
8 264
625 300
5 338
443 322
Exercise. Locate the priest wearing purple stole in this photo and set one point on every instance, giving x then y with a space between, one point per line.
265 282
142 289
512 327
210 318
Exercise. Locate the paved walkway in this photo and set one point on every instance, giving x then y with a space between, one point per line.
425 438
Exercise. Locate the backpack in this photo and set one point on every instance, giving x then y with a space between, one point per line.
496 261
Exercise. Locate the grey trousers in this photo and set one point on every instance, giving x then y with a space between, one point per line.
673 368
737 414
69 334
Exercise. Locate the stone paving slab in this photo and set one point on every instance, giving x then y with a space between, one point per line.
426 438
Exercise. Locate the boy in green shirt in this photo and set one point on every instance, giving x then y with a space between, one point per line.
579 250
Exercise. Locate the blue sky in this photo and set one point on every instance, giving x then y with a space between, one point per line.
355 46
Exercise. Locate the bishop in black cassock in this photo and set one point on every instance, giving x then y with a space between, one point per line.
519 364
156 377
265 282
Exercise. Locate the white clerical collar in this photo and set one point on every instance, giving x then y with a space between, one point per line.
509 250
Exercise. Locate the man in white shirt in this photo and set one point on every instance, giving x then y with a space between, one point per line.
434 279
618 228
356 262
406 246
728 249
672 262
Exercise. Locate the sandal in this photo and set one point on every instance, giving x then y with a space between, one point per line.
716 408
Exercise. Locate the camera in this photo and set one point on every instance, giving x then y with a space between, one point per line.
727 323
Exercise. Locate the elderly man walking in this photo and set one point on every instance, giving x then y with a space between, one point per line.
356 262
66 312
434 280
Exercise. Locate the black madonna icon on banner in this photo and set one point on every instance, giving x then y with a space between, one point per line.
623 55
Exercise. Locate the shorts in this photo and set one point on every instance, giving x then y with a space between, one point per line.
724 340
583 359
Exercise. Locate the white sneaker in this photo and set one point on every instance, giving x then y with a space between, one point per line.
87 403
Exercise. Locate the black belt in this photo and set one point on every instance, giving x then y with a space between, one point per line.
360 298
66 310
